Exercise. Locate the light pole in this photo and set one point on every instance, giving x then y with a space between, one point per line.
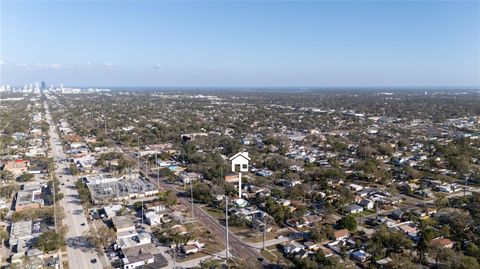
142 214
138 156
158 172
191 195
226 231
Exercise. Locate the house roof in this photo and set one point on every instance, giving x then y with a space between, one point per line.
326 251
341 233
138 253
441 242
365 202
407 228
354 207
122 222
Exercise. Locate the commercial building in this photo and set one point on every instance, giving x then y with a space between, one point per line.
123 224
29 197
124 188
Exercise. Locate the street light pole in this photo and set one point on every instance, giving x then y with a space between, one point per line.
191 195
138 156
226 231
158 171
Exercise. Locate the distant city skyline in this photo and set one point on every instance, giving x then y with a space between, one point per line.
241 44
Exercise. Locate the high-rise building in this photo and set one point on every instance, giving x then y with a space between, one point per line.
43 85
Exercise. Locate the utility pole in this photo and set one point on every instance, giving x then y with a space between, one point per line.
138 155
158 171
226 231
264 234
191 195
142 212
146 166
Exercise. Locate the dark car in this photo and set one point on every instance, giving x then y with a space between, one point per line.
93 260
83 224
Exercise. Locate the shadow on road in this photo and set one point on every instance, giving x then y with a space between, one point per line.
80 242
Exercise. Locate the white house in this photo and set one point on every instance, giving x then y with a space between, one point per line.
138 256
353 208
292 247
152 218
360 255
355 187
367 204
190 249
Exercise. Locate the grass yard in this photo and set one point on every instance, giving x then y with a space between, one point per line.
210 249
216 213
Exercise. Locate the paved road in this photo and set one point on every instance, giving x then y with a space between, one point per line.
237 247
79 254
271 242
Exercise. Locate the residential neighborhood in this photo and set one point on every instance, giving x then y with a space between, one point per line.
105 185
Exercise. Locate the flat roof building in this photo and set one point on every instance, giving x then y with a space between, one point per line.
123 224
29 197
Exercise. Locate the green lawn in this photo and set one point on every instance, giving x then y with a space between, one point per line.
253 237
274 251
216 213
268 255
211 248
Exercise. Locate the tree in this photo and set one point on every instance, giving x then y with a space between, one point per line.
137 206
400 260
25 177
202 192
49 241
73 169
6 175
237 221
321 232
171 198
8 190
102 237
426 235
384 242
440 200
3 235
347 222
83 192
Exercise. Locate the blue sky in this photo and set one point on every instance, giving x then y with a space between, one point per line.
325 44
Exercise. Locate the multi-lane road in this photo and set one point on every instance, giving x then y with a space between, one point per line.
79 253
